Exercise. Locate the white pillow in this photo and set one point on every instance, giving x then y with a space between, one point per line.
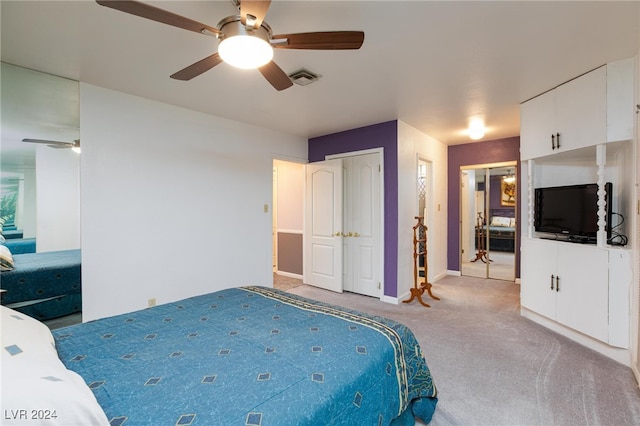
499 221
36 388
6 259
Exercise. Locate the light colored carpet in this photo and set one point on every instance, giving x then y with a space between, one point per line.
493 367
285 283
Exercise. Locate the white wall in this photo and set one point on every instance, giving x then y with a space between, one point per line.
28 204
172 201
57 199
290 200
413 144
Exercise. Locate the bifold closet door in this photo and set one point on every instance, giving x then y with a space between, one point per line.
487 229
474 256
362 224
501 226
323 225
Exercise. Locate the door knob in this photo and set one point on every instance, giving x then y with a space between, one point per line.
356 234
350 234
337 234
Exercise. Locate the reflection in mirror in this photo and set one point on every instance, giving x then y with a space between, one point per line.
475 257
488 228
39 185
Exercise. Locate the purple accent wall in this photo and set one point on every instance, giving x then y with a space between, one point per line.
495 151
383 135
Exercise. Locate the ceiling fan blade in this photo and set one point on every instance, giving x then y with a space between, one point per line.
256 8
275 76
156 14
198 68
57 146
324 40
53 144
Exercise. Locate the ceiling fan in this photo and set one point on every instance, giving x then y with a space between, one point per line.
75 145
249 31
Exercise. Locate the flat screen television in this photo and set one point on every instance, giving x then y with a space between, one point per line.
571 212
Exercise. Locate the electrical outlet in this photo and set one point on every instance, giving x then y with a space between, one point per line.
152 302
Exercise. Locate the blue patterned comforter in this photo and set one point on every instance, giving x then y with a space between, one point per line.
44 285
251 356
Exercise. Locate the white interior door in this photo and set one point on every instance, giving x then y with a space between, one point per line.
323 225
362 224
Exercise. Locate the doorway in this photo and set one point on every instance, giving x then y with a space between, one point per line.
338 245
425 210
488 221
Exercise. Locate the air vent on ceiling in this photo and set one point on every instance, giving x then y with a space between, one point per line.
303 77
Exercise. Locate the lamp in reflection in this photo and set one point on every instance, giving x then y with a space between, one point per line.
509 178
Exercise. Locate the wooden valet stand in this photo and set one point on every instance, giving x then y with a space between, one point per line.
481 253
420 249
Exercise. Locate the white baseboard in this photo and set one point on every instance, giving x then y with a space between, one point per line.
288 274
623 356
453 273
636 373
439 277
392 300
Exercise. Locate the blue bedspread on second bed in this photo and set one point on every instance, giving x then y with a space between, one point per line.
250 356
44 285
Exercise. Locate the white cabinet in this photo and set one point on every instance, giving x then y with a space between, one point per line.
573 115
537 125
620 100
567 283
582 291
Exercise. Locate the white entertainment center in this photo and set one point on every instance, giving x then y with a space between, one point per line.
577 133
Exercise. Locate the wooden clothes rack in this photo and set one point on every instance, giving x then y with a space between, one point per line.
481 253
420 251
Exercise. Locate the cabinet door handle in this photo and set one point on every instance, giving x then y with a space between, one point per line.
557 143
557 283
553 141
552 278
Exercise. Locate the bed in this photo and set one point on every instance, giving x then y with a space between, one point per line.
43 285
21 245
247 356
502 230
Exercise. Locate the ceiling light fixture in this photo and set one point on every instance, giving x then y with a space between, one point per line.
476 129
509 178
243 47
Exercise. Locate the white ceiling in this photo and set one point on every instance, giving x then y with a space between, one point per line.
433 65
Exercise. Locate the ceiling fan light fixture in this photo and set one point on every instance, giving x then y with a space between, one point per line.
245 51
244 48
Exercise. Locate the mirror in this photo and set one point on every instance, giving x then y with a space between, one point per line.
488 227
39 185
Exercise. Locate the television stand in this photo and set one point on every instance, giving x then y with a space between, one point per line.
581 240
